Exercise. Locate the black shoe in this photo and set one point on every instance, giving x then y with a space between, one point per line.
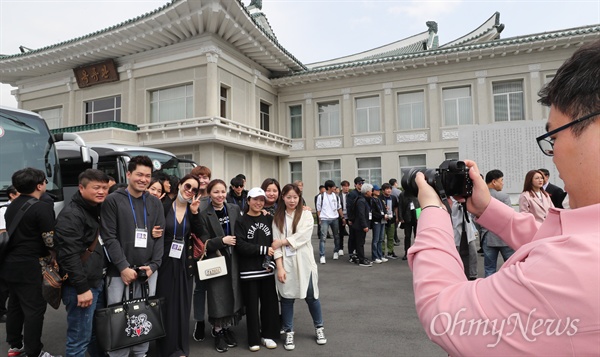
480 250
353 259
199 331
365 263
404 257
220 344
230 338
393 256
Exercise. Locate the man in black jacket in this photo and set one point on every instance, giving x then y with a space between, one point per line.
79 254
557 194
351 207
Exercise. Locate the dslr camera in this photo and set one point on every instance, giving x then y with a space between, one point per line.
450 179
141 273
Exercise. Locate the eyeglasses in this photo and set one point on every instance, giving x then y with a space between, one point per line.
44 182
188 187
546 143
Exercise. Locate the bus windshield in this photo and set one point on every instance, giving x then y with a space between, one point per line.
166 163
25 141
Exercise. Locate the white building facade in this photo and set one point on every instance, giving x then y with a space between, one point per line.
208 81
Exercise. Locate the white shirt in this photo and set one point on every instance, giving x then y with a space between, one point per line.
329 207
2 212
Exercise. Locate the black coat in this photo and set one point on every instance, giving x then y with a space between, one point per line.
362 212
77 226
557 195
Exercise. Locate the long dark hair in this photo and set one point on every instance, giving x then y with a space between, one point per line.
528 185
279 217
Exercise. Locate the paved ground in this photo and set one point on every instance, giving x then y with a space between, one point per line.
367 312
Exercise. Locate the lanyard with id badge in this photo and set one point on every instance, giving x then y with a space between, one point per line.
289 250
141 234
177 244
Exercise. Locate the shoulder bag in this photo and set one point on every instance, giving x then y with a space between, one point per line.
213 267
130 322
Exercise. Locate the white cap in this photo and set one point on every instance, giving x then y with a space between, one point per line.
256 192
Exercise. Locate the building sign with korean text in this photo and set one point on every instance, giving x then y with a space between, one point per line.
97 73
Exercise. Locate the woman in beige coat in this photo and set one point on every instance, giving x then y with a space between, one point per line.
534 199
297 276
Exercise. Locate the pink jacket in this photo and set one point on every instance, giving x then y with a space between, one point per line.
545 300
538 208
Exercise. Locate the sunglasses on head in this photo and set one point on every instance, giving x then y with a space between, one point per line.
188 187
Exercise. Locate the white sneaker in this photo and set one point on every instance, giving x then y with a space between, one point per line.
320 333
384 260
289 341
378 261
254 348
341 253
268 343
335 256
322 260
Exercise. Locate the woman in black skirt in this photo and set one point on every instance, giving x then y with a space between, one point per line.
175 280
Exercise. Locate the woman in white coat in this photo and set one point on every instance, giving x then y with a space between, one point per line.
297 276
534 199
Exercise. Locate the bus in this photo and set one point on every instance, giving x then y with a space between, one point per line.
113 160
25 141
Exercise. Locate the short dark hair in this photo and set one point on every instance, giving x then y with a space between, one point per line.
386 185
27 179
329 184
271 181
493 175
237 181
161 176
392 182
140 160
92 175
545 172
242 176
213 183
321 186
345 183
116 186
575 87
110 178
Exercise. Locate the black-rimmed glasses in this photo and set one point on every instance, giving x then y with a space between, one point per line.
546 143
188 187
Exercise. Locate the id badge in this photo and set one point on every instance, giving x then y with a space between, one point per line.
176 249
100 241
412 206
141 238
370 216
289 251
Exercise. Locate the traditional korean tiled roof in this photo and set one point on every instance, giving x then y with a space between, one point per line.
170 24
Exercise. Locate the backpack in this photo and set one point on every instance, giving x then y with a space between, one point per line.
323 197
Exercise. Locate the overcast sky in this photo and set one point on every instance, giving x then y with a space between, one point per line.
312 30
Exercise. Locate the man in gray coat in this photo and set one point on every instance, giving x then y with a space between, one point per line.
492 244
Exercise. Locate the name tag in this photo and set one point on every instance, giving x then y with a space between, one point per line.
141 238
370 216
289 251
176 249
412 206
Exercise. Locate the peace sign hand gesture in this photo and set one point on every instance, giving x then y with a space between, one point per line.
195 205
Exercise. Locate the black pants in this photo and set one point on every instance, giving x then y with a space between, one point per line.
351 240
359 240
408 229
26 307
343 232
262 309
3 297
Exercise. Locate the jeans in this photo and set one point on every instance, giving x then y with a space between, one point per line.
314 306
376 245
79 320
490 257
199 299
325 223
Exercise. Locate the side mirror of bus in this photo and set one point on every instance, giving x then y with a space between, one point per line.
85 154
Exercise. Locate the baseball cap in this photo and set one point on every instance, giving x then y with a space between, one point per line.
376 188
359 180
256 192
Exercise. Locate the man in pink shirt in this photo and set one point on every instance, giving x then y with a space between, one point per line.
545 300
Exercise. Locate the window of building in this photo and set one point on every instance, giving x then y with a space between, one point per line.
329 119
172 104
296 171
185 167
451 156
224 101
411 110
458 107
508 101
408 162
369 168
52 116
102 110
296 121
367 115
264 116
330 170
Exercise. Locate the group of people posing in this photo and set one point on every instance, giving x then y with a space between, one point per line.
142 238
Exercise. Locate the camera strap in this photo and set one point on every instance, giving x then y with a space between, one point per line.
442 193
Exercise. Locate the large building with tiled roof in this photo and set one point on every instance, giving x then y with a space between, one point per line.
209 81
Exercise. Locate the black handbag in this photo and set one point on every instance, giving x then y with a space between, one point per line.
130 322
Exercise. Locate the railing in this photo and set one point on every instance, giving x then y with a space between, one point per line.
96 126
